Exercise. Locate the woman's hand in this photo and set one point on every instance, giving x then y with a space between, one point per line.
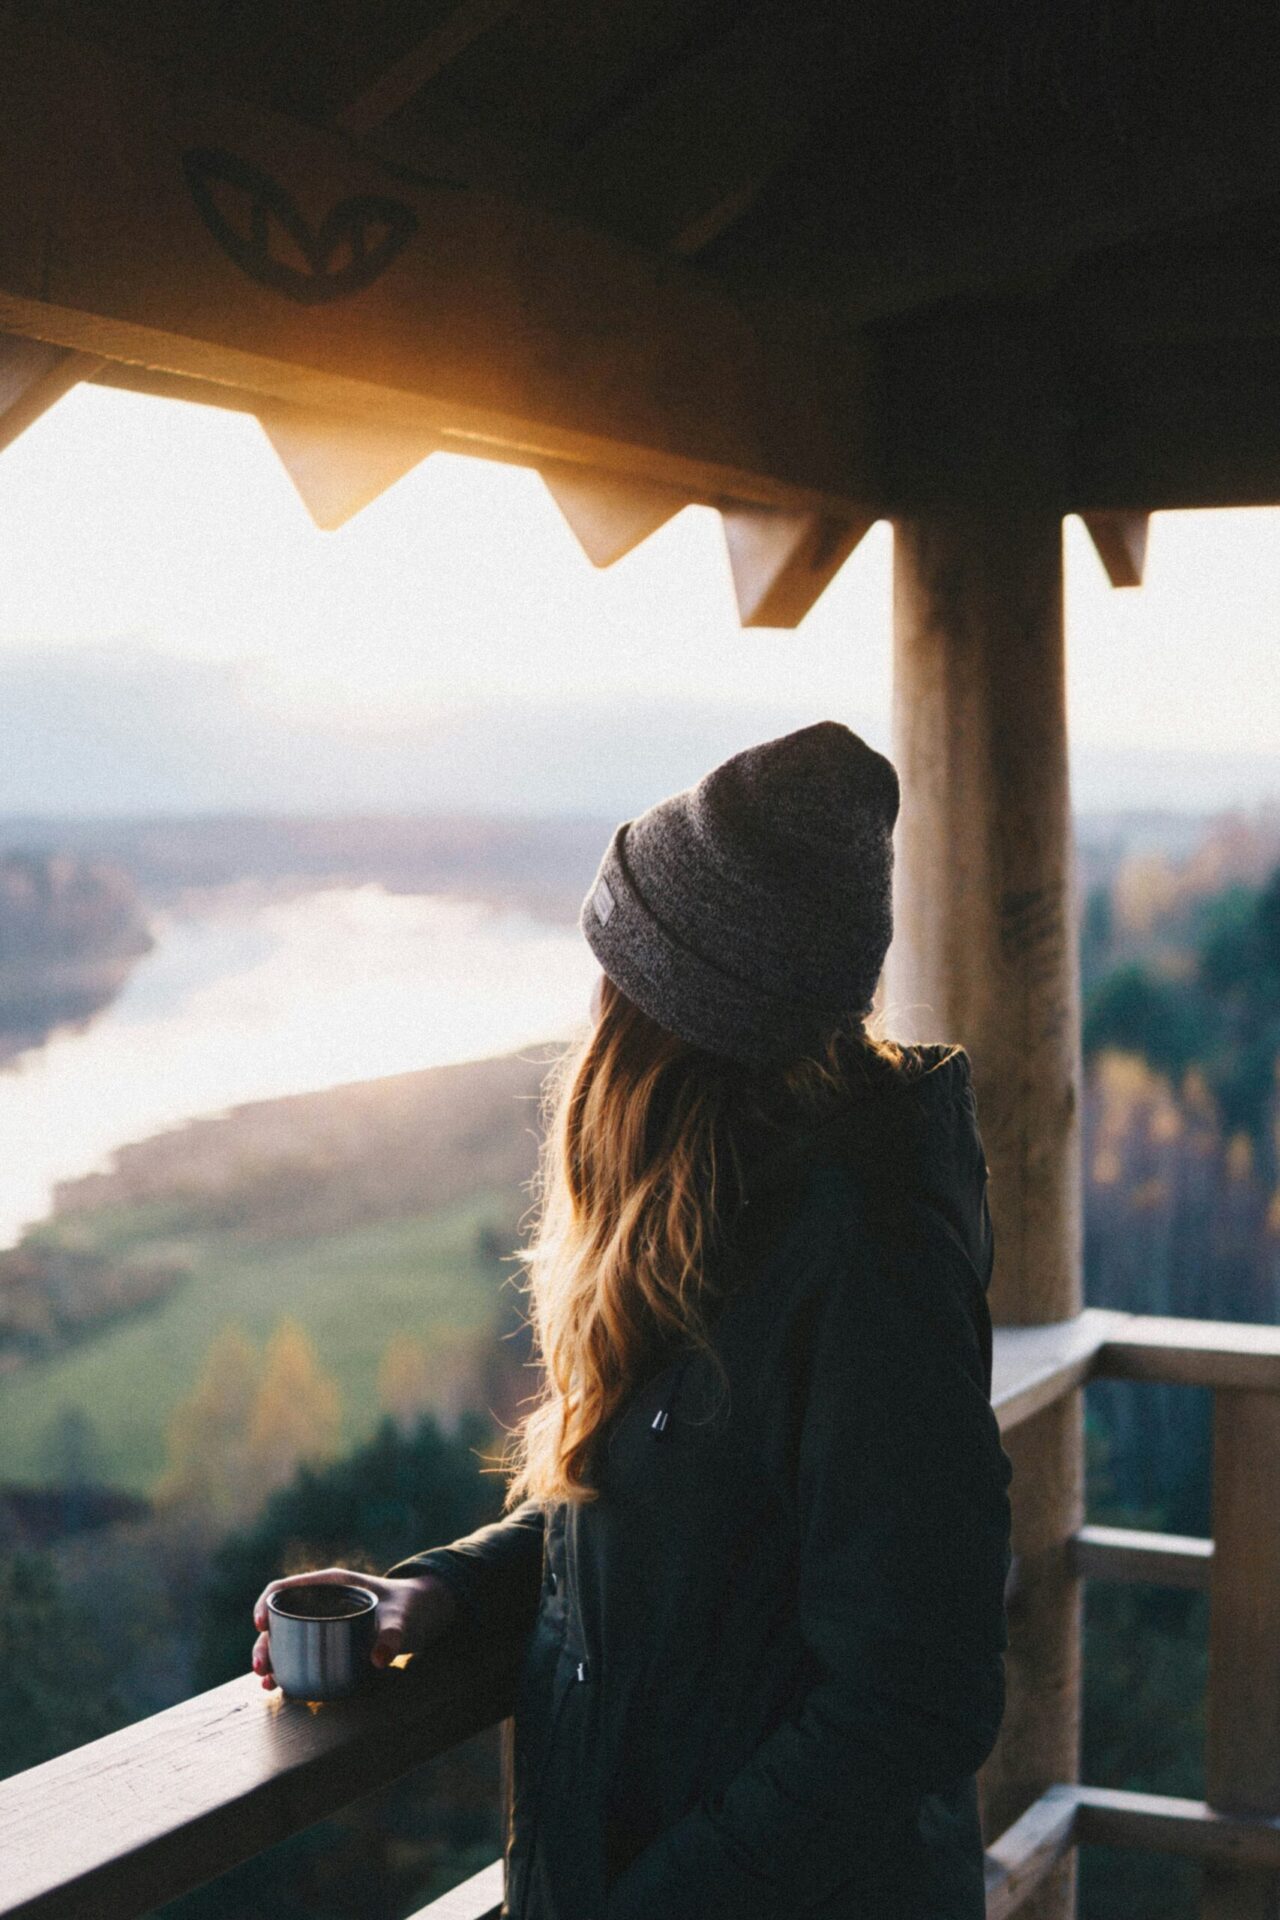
411 1613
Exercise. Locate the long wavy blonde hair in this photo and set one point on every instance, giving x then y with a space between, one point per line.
640 1177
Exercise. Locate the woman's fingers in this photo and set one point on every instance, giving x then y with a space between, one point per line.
390 1640
262 1660
411 1613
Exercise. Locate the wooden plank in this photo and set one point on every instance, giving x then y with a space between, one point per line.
1121 542
478 1898
429 56
693 152
218 242
608 515
113 1829
338 465
1195 1353
1242 1705
33 375
1149 1559
1036 1365
1024 1855
1163 1823
985 947
783 562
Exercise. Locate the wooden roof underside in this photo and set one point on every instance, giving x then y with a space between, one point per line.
810 263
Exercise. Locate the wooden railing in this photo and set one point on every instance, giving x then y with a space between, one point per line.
1235 1832
115 1828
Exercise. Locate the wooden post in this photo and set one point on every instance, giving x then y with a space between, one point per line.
1242 1756
985 953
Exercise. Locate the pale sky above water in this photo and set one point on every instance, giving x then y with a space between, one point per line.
159 549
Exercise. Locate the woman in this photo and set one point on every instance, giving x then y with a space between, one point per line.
757 1526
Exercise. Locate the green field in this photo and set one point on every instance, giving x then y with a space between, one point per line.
351 1291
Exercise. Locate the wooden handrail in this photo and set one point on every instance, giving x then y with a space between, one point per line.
479 1898
1026 1853
1036 1365
1068 1815
127 1822
1150 1559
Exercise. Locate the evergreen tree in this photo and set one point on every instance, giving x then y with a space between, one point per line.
55 1690
393 1496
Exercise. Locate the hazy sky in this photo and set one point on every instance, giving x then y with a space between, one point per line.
173 629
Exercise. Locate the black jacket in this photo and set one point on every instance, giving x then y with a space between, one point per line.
764 1666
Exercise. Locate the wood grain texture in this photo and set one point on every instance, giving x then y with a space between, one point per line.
1035 1365
1147 1559
223 243
1194 1353
478 1898
116 1827
1242 1716
1121 543
1164 1823
1024 1855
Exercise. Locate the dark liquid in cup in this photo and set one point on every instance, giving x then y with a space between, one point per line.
321 1603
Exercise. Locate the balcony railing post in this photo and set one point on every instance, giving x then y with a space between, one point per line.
1242 1757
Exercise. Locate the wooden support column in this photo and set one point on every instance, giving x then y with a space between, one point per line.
1242 1757
985 953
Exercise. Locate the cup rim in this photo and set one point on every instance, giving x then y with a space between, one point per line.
333 1619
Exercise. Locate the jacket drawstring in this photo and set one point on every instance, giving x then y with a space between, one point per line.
661 1419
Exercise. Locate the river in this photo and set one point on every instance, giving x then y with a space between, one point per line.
247 997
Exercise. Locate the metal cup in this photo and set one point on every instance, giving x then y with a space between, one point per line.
320 1638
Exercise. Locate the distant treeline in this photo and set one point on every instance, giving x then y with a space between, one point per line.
541 865
72 927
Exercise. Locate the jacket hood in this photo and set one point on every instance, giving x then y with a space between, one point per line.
909 1135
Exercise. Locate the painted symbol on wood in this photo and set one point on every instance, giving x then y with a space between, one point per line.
258 224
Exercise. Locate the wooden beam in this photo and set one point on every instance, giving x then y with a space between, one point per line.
1148 1559
1171 426
125 1823
478 1898
1035 148
782 562
1027 1852
691 154
608 514
429 56
339 465
1121 543
33 375
1035 1365
1242 1697
1165 1823
985 947
1193 1353
215 242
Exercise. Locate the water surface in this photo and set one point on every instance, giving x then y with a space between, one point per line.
246 997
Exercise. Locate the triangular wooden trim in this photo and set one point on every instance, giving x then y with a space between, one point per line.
1121 542
33 374
783 561
339 464
608 514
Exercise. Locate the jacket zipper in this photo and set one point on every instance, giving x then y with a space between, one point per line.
582 1667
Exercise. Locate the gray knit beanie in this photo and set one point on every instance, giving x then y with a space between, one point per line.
752 912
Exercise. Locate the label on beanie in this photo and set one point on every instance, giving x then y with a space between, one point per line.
603 902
